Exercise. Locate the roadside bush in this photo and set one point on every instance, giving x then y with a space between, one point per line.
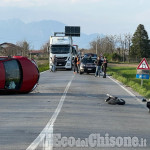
43 67
116 57
108 56
148 94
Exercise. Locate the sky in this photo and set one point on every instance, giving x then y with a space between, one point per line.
107 17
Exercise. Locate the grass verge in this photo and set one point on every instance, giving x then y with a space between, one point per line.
127 75
43 67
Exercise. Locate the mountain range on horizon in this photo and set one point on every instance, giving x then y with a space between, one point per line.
38 33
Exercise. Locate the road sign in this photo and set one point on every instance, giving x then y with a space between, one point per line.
143 71
143 65
72 30
142 76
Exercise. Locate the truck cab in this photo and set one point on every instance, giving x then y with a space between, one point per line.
61 47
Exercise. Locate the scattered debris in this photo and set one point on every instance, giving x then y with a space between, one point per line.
114 100
144 100
148 105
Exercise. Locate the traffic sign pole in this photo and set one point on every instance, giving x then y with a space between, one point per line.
143 71
141 82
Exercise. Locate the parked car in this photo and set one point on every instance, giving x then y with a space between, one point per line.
18 74
90 55
87 65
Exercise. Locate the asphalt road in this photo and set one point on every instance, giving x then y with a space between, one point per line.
72 106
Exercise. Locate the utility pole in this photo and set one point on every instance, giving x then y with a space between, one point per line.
96 47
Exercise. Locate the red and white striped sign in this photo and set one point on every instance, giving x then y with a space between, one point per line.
143 65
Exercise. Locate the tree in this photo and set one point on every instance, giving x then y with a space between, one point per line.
25 47
104 45
129 40
123 44
44 47
111 44
140 44
116 57
96 46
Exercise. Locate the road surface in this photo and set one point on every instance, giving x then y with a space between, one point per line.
73 106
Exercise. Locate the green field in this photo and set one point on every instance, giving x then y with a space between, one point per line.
43 67
127 75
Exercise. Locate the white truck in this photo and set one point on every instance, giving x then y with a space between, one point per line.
62 48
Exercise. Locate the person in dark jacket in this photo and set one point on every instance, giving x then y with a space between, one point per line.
104 67
98 63
78 64
75 64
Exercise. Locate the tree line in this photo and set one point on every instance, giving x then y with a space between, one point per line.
123 47
126 47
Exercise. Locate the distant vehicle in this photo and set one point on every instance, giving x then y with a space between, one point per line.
18 75
62 47
90 55
87 65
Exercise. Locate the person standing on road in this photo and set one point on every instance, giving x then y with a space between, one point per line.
78 64
98 63
104 67
75 65
54 62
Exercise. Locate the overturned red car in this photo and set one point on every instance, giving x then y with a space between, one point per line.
18 75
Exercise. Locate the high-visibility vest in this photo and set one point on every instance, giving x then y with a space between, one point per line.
78 61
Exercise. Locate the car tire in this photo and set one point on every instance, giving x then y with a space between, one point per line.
80 72
69 69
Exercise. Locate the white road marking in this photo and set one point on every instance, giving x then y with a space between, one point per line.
45 138
128 91
43 72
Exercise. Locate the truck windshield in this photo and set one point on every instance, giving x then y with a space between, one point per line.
60 49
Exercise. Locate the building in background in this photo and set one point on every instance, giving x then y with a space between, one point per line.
9 49
37 53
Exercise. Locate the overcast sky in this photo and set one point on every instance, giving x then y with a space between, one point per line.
94 16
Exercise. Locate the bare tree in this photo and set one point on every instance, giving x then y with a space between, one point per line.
129 41
103 45
112 44
25 47
44 47
124 43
